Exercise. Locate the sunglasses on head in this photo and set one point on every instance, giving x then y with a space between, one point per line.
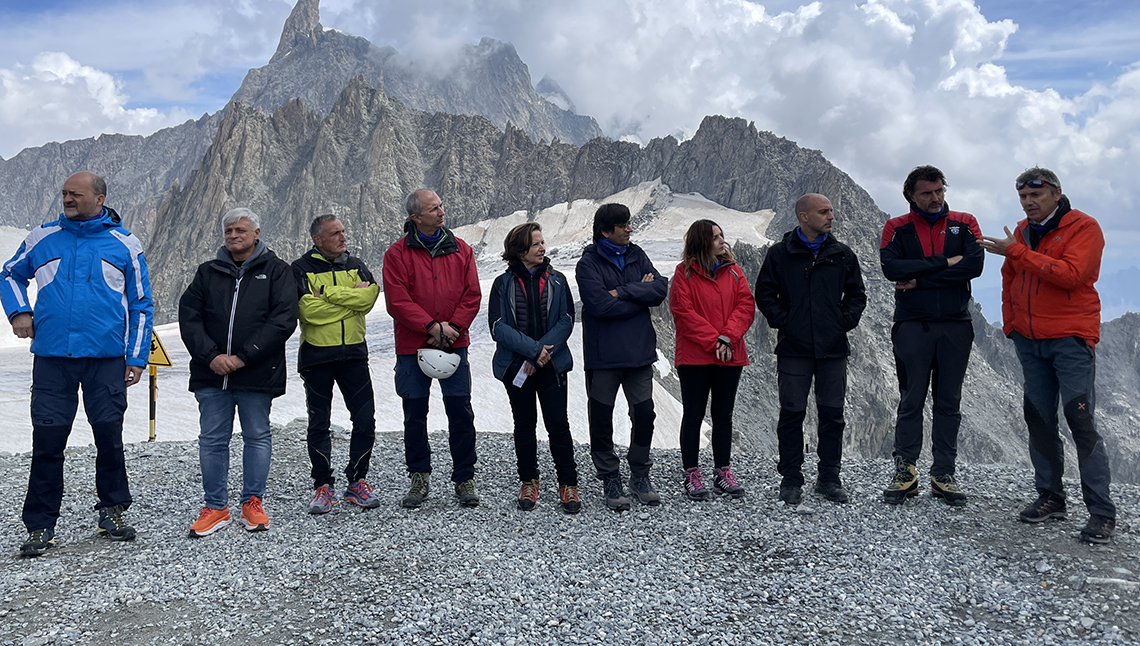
1032 183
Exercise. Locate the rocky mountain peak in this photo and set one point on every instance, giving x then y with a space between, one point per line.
302 29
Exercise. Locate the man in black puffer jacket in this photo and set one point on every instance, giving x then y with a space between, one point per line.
235 318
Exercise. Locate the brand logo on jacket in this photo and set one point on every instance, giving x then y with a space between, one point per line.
954 230
261 277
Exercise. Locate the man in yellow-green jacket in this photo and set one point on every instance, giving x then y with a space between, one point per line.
336 292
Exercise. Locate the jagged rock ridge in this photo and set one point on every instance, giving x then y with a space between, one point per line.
310 63
371 150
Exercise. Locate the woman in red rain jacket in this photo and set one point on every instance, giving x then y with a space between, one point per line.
712 307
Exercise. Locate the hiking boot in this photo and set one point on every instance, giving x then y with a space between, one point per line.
418 491
39 541
323 500
1098 529
209 521
1045 507
465 492
694 488
112 525
643 490
614 493
791 494
568 496
832 490
360 494
946 488
528 497
254 516
903 485
724 482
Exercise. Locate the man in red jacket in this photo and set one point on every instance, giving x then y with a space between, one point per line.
931 254
1051 310
432 291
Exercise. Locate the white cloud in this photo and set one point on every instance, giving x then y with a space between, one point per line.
880 86
57 98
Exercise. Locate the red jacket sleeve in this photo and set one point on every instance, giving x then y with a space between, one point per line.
468 306
690 324
743 313
1077 266
398 291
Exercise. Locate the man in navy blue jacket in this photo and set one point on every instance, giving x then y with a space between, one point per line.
618 284
91 326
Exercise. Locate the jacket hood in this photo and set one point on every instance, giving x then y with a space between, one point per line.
225 260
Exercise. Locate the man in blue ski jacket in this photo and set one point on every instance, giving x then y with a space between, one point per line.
90 327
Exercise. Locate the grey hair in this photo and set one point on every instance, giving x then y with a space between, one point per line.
412 205
234 215
319 223
1045 174
99 186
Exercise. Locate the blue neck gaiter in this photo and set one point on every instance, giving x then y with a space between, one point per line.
429 240
931 217
813 247
612 252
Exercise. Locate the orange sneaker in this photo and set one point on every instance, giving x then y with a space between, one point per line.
253 515
209 521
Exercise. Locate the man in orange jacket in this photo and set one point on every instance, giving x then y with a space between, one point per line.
1051 310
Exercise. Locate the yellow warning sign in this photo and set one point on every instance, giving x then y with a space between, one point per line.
158 356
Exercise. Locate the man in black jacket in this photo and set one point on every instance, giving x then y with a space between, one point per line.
811 290
235 318
932 254
618 284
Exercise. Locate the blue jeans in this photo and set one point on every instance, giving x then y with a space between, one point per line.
414 387
1063 369
216 410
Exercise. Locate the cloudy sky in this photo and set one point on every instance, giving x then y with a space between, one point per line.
980 88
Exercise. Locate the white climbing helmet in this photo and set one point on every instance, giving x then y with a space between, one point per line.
437 363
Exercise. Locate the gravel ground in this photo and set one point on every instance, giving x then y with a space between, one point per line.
720 572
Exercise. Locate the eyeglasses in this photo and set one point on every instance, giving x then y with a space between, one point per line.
1033 183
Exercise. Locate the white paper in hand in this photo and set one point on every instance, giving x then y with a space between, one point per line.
521 377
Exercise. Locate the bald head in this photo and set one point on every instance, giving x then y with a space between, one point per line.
814 214
83 195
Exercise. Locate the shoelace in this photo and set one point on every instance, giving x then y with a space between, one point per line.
255 505
530 490
205 512
38 535
728 478
568 494
324 495
419 483
693 481
363 487
116 517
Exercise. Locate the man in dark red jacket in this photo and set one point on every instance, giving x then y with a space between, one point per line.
432 291
811 290
1051 310
931 254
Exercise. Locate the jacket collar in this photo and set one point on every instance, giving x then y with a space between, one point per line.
107 219
795 245
339 261
225 260
446 244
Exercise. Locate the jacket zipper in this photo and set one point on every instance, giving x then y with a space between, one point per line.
230 332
